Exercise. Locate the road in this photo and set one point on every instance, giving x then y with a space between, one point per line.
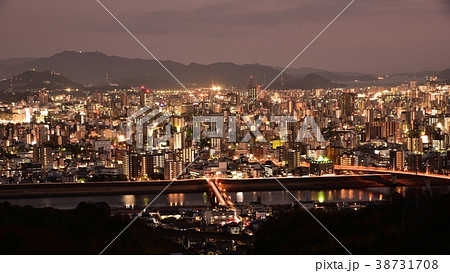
384 170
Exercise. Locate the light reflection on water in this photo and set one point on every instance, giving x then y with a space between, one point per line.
239 197
202 199
342 195
128 200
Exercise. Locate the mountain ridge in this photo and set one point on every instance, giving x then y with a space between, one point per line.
96 69
34 80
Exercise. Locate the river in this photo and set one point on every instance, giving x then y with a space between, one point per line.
202 199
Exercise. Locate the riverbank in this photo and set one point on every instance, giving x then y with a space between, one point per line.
10 191
309 183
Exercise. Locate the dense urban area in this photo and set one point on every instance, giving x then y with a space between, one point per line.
78 136
220 134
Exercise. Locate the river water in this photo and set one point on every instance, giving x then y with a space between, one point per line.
202 199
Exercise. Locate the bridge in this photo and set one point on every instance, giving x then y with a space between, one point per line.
390 171
220 194
373 177
441 179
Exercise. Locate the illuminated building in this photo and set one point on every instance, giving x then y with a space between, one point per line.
294 159
348 104
172 169
132 166
43 97
321 166
397 160
43 155
346 159
252 89
147 98
186 155
221 217
178 141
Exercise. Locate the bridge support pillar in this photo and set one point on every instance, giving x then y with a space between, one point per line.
427 183
394 178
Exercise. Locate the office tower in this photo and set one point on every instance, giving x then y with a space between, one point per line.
132 166
43 155
147 98
397 160
348 104
178 141
125 100
252 89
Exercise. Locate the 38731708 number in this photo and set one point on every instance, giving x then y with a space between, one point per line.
407 264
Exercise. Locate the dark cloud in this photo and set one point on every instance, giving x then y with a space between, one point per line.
371 36
242 17
446 7
233 17
2 3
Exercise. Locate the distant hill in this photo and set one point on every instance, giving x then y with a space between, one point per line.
332 76
310 81
97 70
347 76
420 74
303 71
92 68
444 75
32 80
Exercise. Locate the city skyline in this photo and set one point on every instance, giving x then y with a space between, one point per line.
378 38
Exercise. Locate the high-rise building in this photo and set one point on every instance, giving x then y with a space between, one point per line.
172 169
294 159
397 159
252 89
158 160
97 97
43 155
132 166
348 104
125 100
187 155
147 97
291 106
147 165
178 141
382 130
415 144
151 164
43 97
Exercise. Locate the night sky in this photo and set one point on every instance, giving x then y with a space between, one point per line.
376 36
